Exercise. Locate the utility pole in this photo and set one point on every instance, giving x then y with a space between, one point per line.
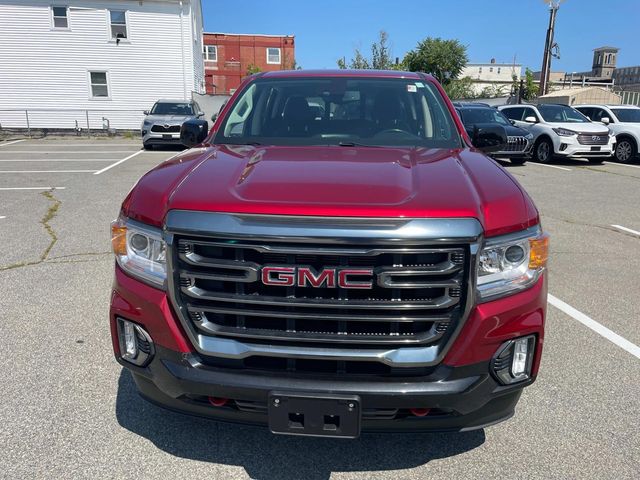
549 47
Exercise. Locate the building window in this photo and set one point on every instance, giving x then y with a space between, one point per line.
490 69
479 69
118 23
273 56
211 53
498 70
60 18
99 85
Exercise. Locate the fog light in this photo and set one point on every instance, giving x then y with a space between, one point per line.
512 362
563 146
136 345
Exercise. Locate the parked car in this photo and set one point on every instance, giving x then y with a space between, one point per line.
561 131
623 121
161 125
519 141
323 275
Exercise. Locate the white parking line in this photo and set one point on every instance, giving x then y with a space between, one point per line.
3 144
625 229
600 329
2 216
27 160
550 166
621 164
47 171
109 167
32 188
64 152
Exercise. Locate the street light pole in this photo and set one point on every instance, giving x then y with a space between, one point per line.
554 5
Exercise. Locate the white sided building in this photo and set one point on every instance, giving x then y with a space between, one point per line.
62 61
495 77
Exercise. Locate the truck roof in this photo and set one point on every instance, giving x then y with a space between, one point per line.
344 73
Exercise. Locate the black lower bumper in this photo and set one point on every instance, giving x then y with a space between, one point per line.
459 399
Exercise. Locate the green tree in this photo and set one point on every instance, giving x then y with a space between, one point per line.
530 87
444 59
381 57
251 69
458 89
381 53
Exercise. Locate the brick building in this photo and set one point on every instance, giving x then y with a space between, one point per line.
229 57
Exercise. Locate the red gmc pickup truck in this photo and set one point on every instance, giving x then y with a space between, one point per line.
335 255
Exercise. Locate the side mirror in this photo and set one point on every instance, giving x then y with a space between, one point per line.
530 119
214 117
513 122
200 115
193 132
605 120
489 137
146 112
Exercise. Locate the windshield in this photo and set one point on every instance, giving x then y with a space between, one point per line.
561 113
483 115
172 108
627 114
340 111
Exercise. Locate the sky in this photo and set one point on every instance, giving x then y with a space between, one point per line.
326 30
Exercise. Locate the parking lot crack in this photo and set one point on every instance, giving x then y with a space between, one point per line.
49 215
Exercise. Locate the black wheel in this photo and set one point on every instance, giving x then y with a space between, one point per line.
626 150
146 146
596 160
543 150
518 161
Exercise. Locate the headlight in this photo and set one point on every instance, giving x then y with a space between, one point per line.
529 136
563 132
146 123
511 263
140 251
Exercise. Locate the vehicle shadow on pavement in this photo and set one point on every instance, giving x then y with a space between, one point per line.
264 455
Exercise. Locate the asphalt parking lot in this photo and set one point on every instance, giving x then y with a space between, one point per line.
70 411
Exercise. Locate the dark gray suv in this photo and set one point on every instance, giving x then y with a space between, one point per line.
162 123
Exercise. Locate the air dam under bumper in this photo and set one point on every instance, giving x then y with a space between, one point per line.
460 391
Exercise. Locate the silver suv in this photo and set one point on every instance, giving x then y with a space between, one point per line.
162 123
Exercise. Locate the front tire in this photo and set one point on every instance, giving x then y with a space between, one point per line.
626 150
543 150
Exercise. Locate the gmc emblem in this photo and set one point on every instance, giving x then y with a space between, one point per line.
309 277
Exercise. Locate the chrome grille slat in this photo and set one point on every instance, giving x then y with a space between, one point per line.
439 303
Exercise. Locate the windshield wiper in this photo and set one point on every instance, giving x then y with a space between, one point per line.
355 144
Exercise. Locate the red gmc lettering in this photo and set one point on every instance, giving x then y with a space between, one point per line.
284 276
306 274
344 282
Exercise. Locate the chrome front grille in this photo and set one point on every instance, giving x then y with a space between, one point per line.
416 297
593 138
516 144
166 128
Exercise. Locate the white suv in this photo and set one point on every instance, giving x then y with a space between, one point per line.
559 130
623 121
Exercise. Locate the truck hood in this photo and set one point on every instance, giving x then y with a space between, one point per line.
335 181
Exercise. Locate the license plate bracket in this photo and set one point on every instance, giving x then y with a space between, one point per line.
167 136
317 415
595 149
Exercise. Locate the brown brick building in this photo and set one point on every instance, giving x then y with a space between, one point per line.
229 57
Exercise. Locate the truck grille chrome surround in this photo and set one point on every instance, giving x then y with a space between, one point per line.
421 285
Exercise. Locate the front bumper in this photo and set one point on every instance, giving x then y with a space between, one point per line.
461 391
570 147
156 138
460 398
